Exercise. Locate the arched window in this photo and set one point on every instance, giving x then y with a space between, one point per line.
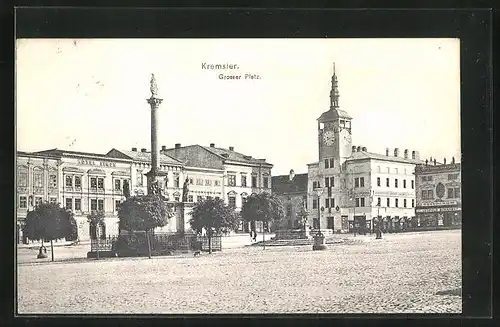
22 176
38 180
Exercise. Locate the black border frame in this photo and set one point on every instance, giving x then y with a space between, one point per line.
472 26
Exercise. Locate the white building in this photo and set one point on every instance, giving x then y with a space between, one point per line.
349 186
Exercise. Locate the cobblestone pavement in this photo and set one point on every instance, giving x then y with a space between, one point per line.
402 273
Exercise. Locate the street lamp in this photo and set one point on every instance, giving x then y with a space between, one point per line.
353 198
319 191
319 238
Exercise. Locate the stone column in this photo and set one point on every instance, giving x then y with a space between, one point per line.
154 103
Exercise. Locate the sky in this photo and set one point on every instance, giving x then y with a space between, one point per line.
90 95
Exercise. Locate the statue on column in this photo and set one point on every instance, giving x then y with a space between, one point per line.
154 87
185 190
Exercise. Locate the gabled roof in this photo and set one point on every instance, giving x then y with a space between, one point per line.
333 114
283 185
142 156
59 152
359 155
236 156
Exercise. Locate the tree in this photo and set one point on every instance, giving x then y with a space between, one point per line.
213 215
73 228
143 213
96 219
265 207
48 222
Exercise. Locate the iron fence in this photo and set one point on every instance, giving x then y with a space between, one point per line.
135 243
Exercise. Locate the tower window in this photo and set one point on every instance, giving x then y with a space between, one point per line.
357 202
412 184
327 203
327 181
378 202
327 164
388 204
378 181
404 203
396 202
404 183
362 202
412 203
396 182
356 182
315 204
387 182
362 182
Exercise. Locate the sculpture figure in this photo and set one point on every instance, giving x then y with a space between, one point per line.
154 87
185 190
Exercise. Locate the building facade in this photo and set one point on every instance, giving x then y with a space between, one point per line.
85 182
224 173
348 186
292 191
439 194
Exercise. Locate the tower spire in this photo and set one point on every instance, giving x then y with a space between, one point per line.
334 92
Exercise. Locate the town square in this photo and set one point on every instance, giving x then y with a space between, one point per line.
402 273
148 201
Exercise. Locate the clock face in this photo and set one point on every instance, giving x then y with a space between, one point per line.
347 138
329 138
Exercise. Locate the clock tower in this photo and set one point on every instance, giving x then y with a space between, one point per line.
334 131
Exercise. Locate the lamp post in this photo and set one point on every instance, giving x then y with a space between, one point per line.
319 238
353 198
319 191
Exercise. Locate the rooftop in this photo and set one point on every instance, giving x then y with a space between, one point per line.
333 114
146 156
283 185
360 155
235 156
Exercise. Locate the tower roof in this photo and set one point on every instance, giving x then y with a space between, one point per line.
333 114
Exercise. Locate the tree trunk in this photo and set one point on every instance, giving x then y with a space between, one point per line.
263 235
97 249
52 250
149 244
209 234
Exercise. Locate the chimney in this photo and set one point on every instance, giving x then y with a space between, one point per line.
143 150
426 162
434 161
353 148
163 147
453 160
363 148
413 154
134 149
417 155
430 159
231 148
212 145
386 152
444 161
292 174
177 145
358 149
406 154
396 152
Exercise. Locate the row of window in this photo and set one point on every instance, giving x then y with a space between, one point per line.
394 170
231 181
206 182
452 193
360 202
451 177
396 183
396 203
360 182
329 163
38 178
